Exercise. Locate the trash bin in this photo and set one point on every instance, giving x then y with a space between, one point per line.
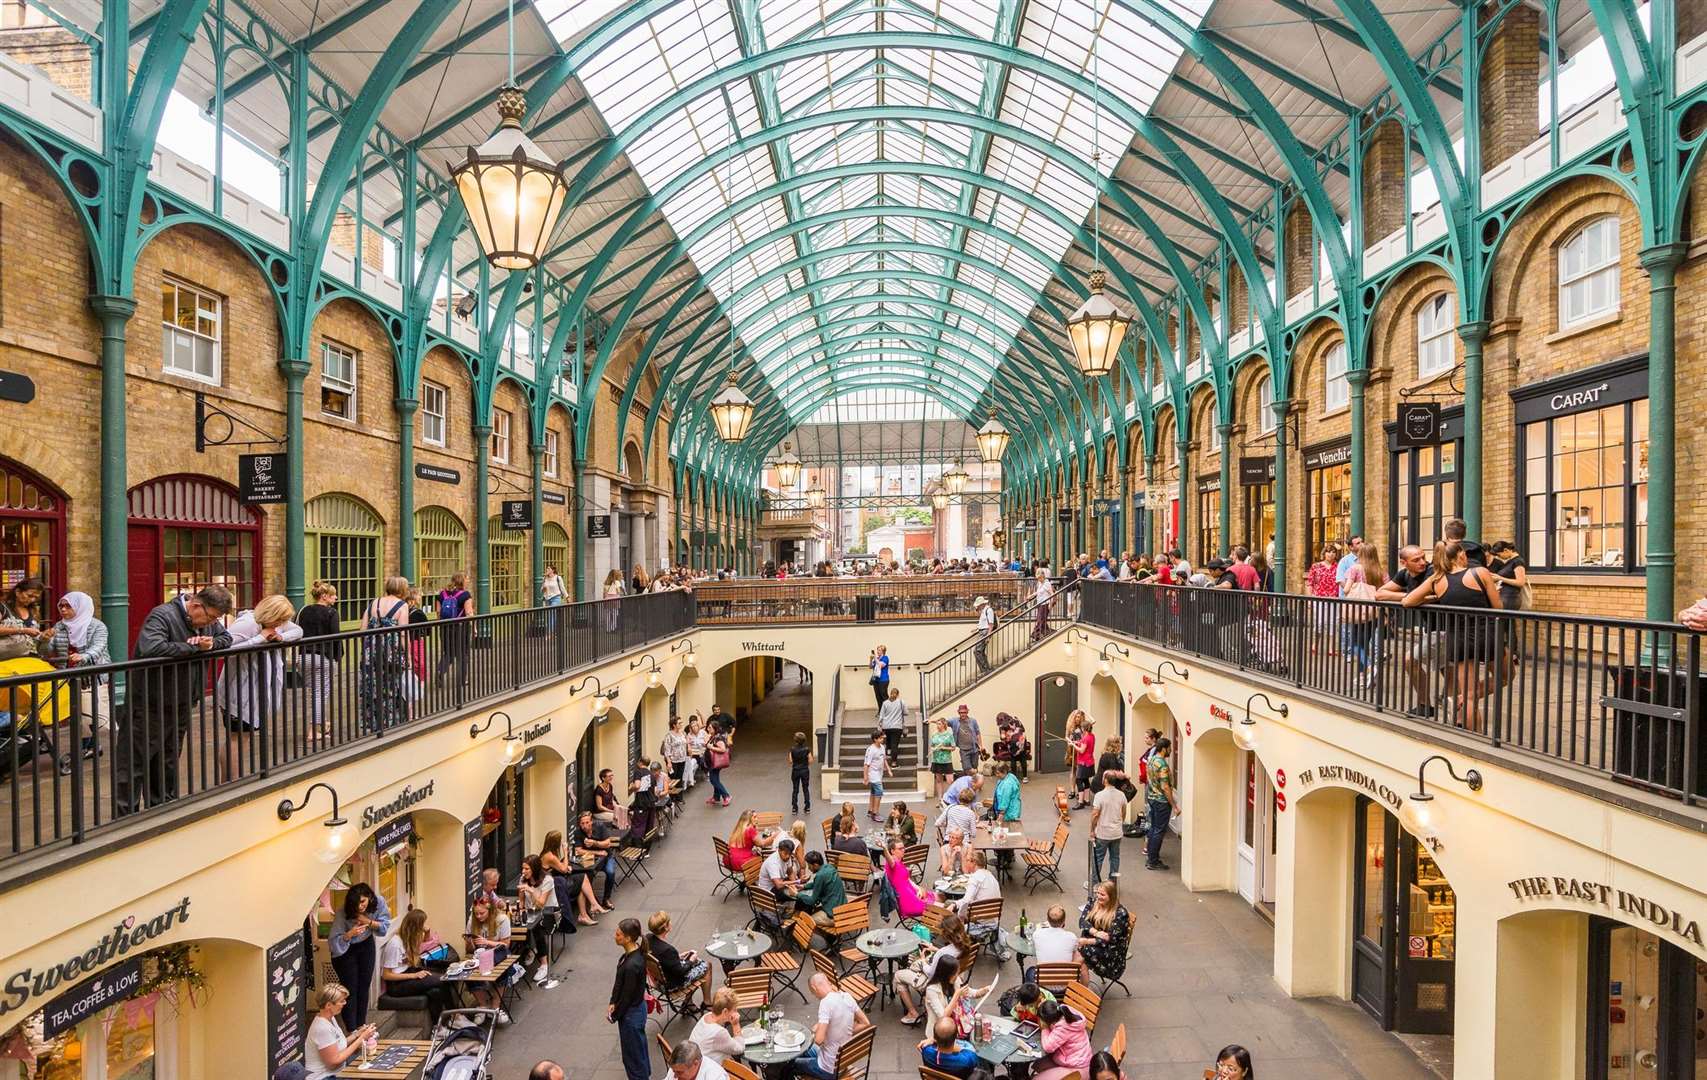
865 608
823 735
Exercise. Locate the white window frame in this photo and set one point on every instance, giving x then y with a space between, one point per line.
171 333
428 389
1437 351
1336 391
1583 277
550 466
347 387
1267 423
501 436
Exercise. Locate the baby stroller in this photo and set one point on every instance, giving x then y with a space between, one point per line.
29 713
462 1045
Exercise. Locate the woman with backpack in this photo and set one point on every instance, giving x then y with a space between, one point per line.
385 657
455 602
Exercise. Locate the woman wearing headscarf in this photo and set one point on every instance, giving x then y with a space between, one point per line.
80 640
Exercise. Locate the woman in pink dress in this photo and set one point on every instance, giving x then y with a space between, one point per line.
908 899
1066 1043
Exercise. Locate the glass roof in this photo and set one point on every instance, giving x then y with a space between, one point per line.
905 241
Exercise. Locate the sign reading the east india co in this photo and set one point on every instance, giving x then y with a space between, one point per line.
1598 894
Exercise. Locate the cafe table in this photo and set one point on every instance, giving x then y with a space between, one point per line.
890 946
404 1057
1003 1047
733 946
984 839
784 1040
1020 945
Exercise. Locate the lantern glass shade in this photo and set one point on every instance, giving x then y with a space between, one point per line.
955 479
815 498
511 190
940 500
731 412
992 440
1096 330
787 468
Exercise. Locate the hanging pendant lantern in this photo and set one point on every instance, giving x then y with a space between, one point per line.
731 411
787 468
940 501
511 190
992 439
955 479
815 497
1097 329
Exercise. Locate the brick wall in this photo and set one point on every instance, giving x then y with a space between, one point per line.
60 56
1691 16
1510 84
1300 249
343 238
1386 173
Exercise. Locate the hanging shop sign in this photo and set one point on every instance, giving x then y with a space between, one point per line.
517 514
287 1000
261 478
1064 513
409 796
89 997
598 526
472 833
1105 507
555 498
1449 428
18 387
1328 455
125 937
1209 483
1596 388
1601 895
437 473
1256 470
394 834
1419 423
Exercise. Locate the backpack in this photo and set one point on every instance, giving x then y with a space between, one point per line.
450 603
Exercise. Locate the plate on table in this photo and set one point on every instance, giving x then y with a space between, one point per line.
788 1041
752 1036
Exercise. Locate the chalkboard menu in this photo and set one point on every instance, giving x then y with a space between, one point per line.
287 1000
634 731
471 862
571 784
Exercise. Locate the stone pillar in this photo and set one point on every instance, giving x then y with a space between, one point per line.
1510 84
114 313
1209 793
1386 174
1281 515
1312 929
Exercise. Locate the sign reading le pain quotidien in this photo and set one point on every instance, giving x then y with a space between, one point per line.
1612 899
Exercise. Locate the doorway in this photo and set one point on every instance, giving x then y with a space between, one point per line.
1644 997
1057 697
1404 929
1257 835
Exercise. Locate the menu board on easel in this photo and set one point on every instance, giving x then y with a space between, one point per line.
471 834
287 1000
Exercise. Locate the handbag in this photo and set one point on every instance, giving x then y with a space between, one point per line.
719 758
16 646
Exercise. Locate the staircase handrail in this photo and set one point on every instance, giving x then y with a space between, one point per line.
1024 610
963 665
834 756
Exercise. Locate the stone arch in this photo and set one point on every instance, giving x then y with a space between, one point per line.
1550 216
210 228
1309 368
633 463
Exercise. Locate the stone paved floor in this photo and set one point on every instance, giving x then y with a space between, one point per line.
1200 973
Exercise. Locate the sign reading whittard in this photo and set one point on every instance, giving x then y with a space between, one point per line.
762 646
125 937
409 796
1605 896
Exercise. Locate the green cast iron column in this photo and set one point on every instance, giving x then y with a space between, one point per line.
1661 263
482 531
578 528
406 408
1151 543
1281 506
1470 469
1359 380
536 552
1183 540
1226 433
296 573
114 313
1123 527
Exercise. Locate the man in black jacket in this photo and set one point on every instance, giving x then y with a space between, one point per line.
150 728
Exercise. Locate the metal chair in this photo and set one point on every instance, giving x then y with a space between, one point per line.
678 1001
858 987
731 879
784 968
1045 866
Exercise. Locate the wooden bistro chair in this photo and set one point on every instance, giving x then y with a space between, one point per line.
848 922
853 1061
985 914
730 879
968 960
784 968
858 987
1117 1046
737 1070
916 858
829 825
767 915
928 1073
631 858
1055 978
664 1048
1045 866
1084 1001
855 871
752 986
918 822
931 918
679 1001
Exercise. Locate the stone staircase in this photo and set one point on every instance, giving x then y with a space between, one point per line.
857 726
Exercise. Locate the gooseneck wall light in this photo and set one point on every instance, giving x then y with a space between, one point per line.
511 739
601 697
1158 692
333 849
653 676
1068 644
1107 665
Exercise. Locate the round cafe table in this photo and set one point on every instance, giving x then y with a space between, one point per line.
733 946
769 1053
1003 1047
890 946
1020 945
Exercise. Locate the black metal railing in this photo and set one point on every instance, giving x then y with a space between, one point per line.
82 748
1017 632
1621 697
856 599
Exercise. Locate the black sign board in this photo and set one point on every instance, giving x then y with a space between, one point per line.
1328 455
472 866
18 387
261 478
90 996
555 498
598 526
1028 525
518 514
525 762
394 834
287 1000
1599 386
1209 483
438 474
1419 423
1064 513
1256 470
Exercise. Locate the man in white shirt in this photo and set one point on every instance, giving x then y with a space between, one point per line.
779 867
876 768
960 815
1108 820
1055 944
839 1016
986 627
980 884
688 1063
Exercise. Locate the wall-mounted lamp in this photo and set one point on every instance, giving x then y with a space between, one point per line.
601 697
511 739
690 659
1158 692
1283 709
1107 666
1420 800
1245 731
1067 645
654 676
334 848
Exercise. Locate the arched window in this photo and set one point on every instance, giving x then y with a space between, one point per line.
187 532
1338 389
556 547
32 529
1266 422
1436 348
632 466
508 548
441 548
344 541
1588 272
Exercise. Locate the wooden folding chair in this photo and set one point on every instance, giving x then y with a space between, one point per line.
739 1071
916 858
853 1061
848 922
784 968
679 1001
829 825
858 987
631 859
1117 1045
1056 977
928 1073
731 879
767 819
968 960
1045 866
767 915
665 1048
984 921
752 986
1084 1001
855 871
918 822
931 918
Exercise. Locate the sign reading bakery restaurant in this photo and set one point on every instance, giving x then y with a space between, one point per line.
129 936
409 796
1601 895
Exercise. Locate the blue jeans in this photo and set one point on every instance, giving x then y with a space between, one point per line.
718 791
807 1065
631 1033
1098 847
1160 812
608 865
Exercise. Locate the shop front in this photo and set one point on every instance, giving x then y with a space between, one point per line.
188 532
1327 484
503 841
32 529
1403 927
1208 519
1256 477
386 862
1423 485
1645 1000
1258 838
122 1024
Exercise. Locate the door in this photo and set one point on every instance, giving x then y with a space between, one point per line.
1057 696
146 588
1371 967
1249 836
1424 942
